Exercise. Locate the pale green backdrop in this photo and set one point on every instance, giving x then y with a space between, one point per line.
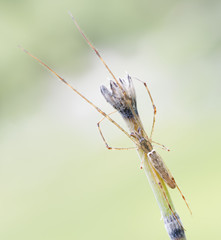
57 180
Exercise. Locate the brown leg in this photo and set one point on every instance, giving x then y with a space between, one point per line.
162 146
154 107
106 144
182 196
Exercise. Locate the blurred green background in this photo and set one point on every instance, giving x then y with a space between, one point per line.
57 179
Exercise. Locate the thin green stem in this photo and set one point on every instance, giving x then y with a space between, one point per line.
171 219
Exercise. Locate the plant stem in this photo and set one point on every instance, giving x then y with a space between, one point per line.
175 231
123 98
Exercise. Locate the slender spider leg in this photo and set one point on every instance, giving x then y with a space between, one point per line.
80 94
102 60
95 50
106 144
154 107
162 146
182 195
163 192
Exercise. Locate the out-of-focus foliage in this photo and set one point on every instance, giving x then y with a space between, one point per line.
57 180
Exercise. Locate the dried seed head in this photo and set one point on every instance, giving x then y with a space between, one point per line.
122 97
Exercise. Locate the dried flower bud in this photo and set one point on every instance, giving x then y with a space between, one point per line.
122 98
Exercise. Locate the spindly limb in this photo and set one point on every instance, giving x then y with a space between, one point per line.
164 193
182 195
162 146
106 144
154 107
80 94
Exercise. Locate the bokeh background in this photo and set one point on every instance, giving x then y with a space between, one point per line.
57 180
